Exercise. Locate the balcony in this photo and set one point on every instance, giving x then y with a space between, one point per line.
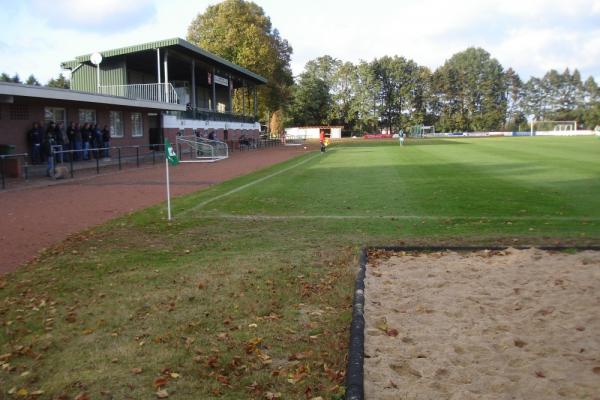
157 92
209 115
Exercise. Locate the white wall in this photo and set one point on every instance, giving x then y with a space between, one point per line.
311 133
171 121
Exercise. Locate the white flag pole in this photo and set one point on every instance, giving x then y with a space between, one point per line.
168 189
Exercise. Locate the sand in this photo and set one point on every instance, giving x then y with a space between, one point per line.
514 324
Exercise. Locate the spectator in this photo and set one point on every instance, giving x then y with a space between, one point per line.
211 135
61 142
106 141
35 138
85 140
46 149
78 141
95 140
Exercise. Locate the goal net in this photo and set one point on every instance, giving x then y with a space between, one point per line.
294 140
554 126
199 149
421 130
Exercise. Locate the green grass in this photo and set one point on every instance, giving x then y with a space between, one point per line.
247 293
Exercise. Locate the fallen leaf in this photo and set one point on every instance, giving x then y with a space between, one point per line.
175 375
540 374
136 370
382 324
160 382
82 396
37 393
298 356
22 392
392 332
162 394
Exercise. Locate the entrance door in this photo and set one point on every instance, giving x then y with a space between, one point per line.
155 132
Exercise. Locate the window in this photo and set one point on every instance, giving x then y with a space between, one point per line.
56 115
88 116
19 112
116 124
137 128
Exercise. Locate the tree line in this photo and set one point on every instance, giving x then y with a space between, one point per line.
60 82
471 91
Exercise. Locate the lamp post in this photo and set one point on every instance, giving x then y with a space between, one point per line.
96 59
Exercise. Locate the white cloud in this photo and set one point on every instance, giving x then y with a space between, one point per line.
94 15
532 36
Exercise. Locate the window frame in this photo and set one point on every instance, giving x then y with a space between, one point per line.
114 132
94 121
134 131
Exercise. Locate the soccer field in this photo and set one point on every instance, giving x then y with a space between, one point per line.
248 292
524 186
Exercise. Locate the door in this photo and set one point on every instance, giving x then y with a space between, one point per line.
155 133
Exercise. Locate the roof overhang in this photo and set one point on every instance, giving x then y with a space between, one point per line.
173 43
42 92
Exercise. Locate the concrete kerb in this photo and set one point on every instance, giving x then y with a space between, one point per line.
356 347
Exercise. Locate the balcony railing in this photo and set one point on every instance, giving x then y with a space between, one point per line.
209 115
159 92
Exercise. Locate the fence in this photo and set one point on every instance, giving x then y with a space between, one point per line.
160 92
105 158
12 166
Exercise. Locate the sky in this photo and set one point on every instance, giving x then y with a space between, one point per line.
531 36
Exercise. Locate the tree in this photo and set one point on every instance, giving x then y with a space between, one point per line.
276 124
16 79
366 90
32 81
60 82
240 32
471 86
310 101
514 100
4 77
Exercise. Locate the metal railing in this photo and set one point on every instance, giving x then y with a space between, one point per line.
159 92
108 157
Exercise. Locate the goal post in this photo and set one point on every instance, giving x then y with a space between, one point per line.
421 130
552 126
199 149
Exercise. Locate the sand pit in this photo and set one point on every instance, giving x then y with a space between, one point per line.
512 324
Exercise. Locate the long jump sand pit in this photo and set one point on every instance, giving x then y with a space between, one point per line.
510 324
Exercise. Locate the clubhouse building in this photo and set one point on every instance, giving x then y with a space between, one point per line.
143 93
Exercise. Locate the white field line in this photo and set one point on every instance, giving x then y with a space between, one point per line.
247 185
400 217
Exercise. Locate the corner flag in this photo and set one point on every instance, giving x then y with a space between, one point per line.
170 153
170 158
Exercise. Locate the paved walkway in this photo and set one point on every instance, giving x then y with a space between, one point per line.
37 216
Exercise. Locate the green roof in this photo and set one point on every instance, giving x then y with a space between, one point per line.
166 43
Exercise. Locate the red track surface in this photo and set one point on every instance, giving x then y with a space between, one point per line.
35 218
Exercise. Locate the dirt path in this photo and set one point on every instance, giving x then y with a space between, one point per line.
34 218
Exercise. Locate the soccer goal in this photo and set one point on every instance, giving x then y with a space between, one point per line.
294 140
553 126
199 149
420 131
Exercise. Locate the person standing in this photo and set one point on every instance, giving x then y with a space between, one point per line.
35 138
46 149
61 142
106 141
78 141
85 141
95 140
